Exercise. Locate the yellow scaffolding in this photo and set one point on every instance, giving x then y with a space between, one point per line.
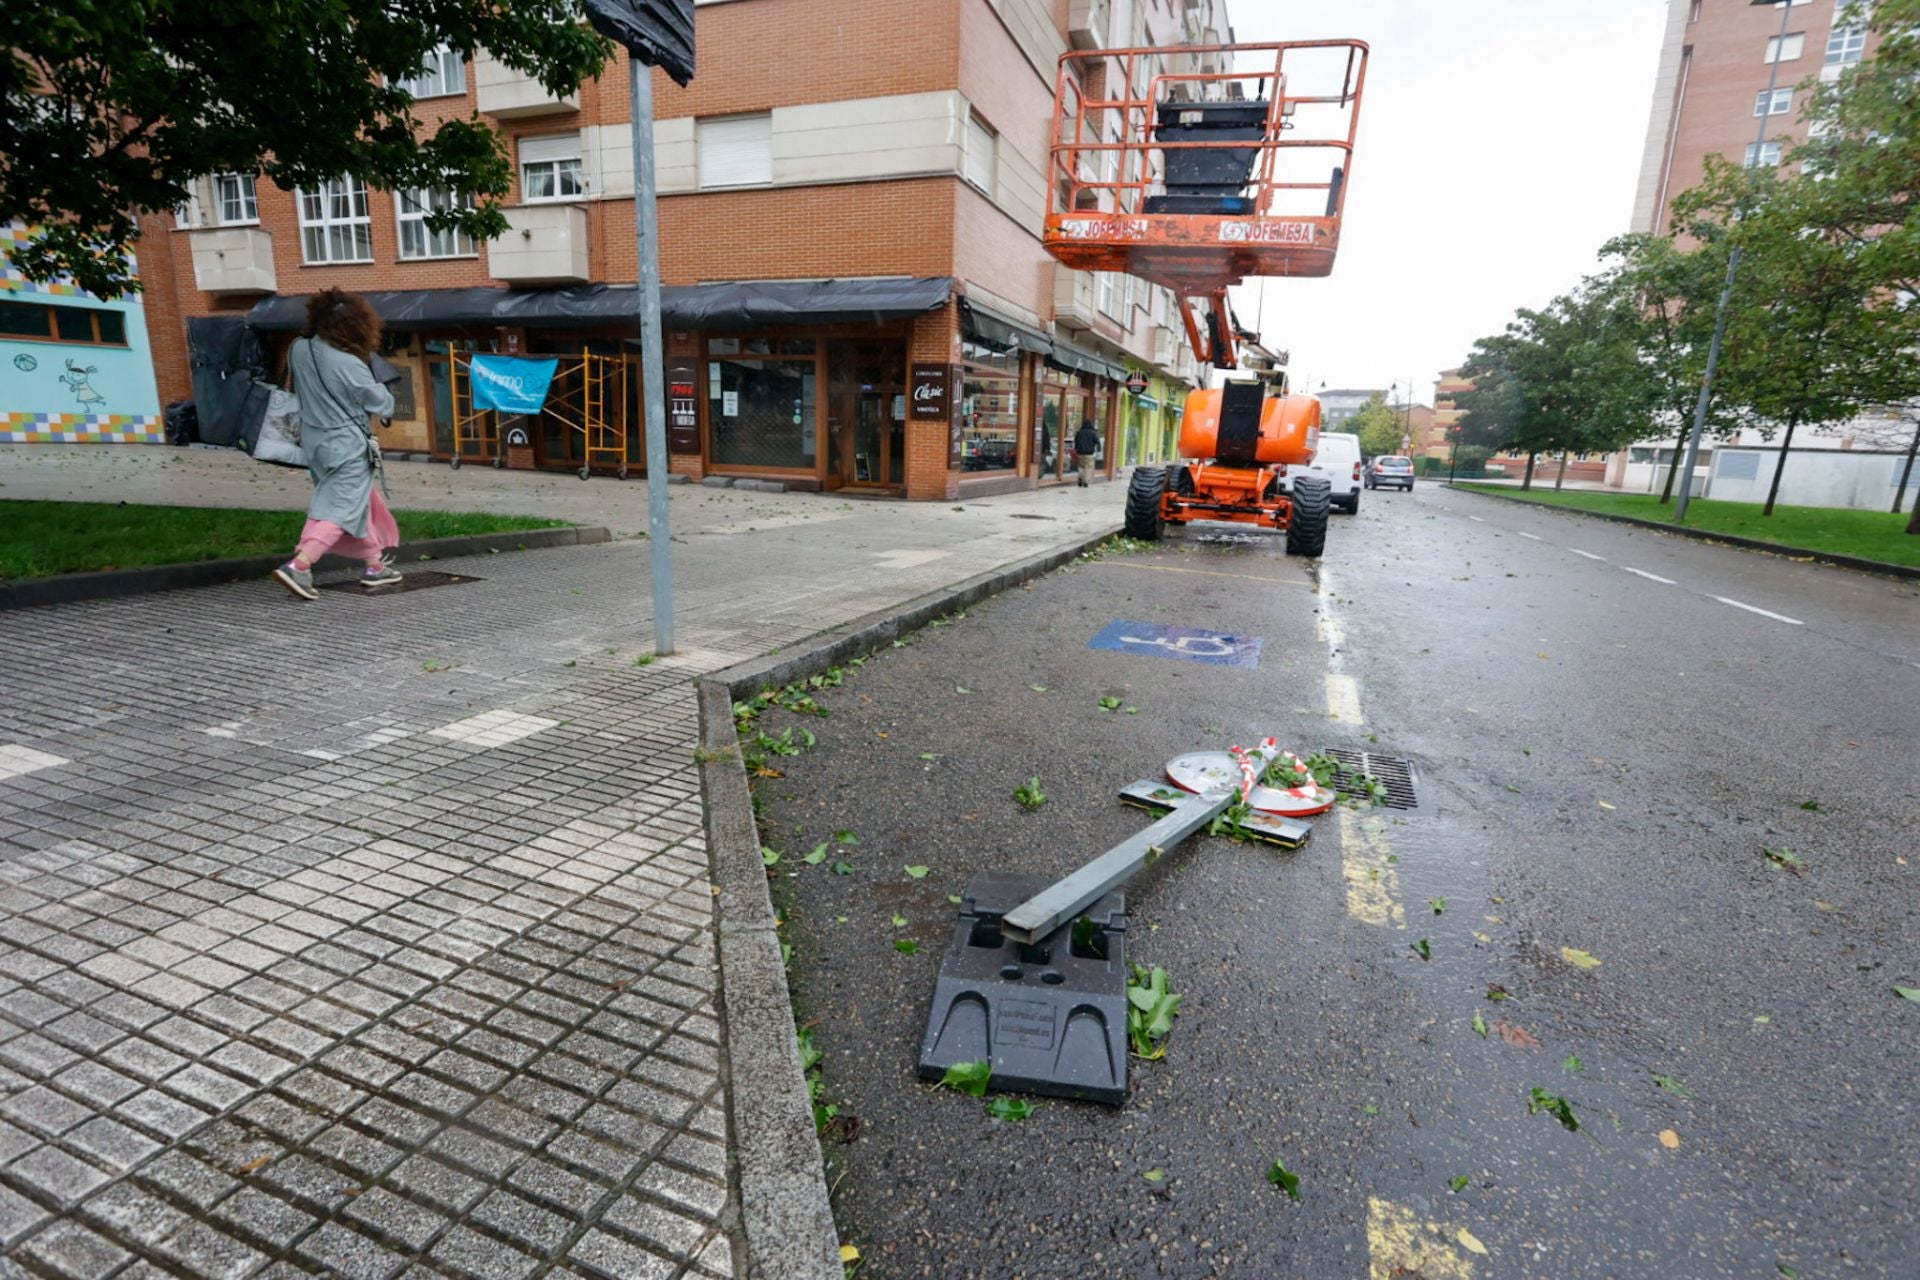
586 388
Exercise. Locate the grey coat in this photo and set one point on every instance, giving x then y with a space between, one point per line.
337 392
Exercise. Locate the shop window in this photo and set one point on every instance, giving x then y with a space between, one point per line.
52 322
760 412
550 168
989 409
335 223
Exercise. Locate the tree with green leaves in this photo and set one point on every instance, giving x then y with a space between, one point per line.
1379 425
114 107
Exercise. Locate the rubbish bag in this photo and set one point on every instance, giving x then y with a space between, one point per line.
182 422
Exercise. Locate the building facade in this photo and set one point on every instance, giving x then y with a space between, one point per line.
73 368
850 206
1710 93
1339 405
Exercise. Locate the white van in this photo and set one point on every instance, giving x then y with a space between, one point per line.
1338 461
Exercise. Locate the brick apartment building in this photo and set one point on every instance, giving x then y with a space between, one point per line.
1710 93
850 198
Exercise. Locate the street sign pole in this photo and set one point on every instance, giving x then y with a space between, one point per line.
653 385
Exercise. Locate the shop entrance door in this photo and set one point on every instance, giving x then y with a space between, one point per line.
867 391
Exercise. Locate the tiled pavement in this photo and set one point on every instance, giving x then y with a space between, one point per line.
374 936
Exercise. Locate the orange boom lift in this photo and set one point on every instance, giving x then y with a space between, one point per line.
1196 167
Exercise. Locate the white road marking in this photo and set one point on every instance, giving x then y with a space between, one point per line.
1476 519
1651 577
1765 613
1588 554
1536 537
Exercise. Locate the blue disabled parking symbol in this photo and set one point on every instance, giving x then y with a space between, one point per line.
1189 644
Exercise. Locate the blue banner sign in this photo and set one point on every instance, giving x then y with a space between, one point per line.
1189 644
512 384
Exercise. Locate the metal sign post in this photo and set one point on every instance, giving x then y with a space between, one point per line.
653 380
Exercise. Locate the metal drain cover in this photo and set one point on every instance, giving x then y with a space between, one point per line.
410 580
1395 774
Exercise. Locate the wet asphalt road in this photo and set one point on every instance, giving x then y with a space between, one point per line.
1604 754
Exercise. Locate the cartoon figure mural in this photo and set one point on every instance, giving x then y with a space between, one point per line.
75 379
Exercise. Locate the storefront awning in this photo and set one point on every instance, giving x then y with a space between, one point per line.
743 304
991 329
1074 359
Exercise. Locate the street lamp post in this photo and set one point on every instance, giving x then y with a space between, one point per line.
1733 271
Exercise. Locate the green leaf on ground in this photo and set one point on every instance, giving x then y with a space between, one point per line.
1423 949
1155 1175
968 1077
906 946
928 755
955 899
1480 1025
846 837
1786 1271
1439 905
1672 1086
1812 806
960 688
786 954
1109 704
1038 688
1029 796
1458 1184
1497 993
1786 858
1288 1182
818 856
899 920
1151 1007
1905 993
1012 1110
769 856
1579 959
1369 1110
842 868
917 873
1573 1065
1554 1105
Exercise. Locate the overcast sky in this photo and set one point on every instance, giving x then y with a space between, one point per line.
1499 145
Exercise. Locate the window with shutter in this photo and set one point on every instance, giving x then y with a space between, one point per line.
734 151
980 157
550 168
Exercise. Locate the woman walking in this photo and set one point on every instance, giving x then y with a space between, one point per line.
337 391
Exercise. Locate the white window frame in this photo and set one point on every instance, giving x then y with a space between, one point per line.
410 210
1763 153
1781 104
1108 293
237 190
742 164
552 170
1846 45
442 75
982 150
1777 51
319 213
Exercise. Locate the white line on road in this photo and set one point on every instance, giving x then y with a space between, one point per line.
1651 577
1765 613
1536 537
1476 519
1588 554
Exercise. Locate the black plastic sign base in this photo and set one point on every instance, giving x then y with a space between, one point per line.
1050 1016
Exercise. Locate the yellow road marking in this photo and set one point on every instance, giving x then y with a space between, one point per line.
1331 633
1343 698
1205 573
1401 1243
1373 886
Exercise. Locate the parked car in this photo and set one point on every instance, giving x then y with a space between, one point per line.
1394 472
1337 460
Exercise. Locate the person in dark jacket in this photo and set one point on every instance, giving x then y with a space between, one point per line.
1086 444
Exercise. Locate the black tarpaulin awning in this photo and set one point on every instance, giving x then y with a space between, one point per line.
1074 359
744 304
1003 334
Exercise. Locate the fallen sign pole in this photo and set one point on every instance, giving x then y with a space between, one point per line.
1066 899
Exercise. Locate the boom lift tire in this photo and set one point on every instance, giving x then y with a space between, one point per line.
1307 530
1144 518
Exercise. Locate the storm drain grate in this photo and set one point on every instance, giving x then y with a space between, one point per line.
1394 773
412 580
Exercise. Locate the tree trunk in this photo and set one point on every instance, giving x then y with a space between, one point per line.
1527 483
1780 467
1679 456
1561 479
1913 525
1906 475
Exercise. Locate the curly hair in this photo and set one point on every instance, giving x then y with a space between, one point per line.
345 321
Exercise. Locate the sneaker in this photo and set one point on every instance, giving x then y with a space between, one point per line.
298 581
385 576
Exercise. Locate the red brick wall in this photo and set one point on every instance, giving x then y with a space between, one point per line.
935 340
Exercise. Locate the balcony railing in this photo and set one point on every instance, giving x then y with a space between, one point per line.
233 260
506 94
544 244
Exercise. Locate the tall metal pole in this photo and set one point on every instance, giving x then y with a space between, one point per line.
1726 290
653 387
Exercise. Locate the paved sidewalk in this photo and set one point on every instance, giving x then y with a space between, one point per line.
375 935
